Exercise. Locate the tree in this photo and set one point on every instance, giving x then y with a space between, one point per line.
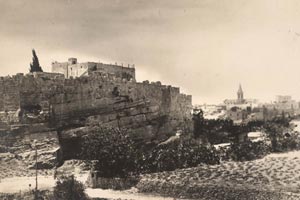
69 188
35 65
212 130
275 132
198 120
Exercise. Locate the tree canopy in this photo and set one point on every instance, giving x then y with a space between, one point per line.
35 65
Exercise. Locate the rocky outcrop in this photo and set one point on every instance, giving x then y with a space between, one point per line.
19 158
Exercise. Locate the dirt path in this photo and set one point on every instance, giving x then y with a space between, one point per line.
131 194
21 184
17 184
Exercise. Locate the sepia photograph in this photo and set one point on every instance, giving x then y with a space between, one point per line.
149 100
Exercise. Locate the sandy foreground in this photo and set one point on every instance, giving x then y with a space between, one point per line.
275 172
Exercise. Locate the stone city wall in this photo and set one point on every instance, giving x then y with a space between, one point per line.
74 69
100 95
41 102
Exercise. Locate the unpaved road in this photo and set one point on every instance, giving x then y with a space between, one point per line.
17 184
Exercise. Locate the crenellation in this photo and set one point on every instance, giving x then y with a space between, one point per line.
74 69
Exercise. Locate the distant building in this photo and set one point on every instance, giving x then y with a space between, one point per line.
257 114
244 110
240 95
74 69
240 110
212 111
240 101
284 104
283 98
237 114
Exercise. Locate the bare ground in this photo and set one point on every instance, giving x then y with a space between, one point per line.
276 176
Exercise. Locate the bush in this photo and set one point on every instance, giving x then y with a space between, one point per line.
115 150
213 131
287 142
275 133
247 151
178 154
120 156
69 188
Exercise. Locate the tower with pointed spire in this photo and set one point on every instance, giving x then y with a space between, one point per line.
240 95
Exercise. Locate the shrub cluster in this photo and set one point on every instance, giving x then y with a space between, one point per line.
247 150
113 148
178 154
69 188
281 137
120 156
286 142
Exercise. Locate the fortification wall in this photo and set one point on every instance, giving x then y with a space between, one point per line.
149 109
74 69
9 90
78 69
92 92
60 68
41 102
119 71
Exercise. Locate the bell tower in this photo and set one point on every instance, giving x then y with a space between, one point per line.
240 95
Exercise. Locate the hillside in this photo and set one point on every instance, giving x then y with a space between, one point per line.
273 177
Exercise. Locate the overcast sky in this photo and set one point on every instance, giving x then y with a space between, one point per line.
206 47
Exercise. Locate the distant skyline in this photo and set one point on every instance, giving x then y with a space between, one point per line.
206 47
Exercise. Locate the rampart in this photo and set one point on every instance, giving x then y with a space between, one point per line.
53 102
74 69
63 99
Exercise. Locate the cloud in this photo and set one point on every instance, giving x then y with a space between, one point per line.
206 47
